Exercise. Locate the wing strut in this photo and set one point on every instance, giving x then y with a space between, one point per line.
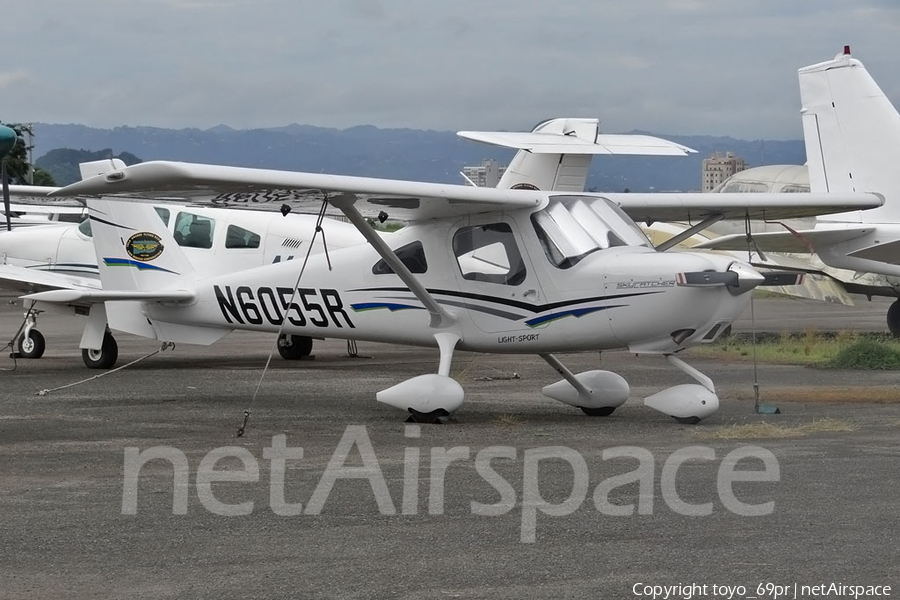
677 239
440 318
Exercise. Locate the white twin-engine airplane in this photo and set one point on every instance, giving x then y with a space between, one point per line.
489 270
852 136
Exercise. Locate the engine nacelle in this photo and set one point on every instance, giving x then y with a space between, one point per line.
605 389
686 401
424 394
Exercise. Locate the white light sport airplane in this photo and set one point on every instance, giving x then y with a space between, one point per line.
556 154
852 136
489 270
215 240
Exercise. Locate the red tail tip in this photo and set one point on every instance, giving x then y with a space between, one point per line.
847 50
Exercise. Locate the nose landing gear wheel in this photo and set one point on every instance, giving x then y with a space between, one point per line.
105 357
32 346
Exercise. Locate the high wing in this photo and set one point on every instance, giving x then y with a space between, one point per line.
692 207
801 242
413 201
221 185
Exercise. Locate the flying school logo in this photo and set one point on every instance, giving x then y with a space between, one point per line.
144 246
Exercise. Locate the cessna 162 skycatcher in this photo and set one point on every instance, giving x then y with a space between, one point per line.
490 270
556 155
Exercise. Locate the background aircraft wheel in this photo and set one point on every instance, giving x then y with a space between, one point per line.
105 357
687 420
32 346
603 411
893 318
294 347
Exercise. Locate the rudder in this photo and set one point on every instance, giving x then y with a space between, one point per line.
852 135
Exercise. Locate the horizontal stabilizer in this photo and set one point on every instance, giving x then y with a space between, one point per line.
785 241
559 143
22 279
98 296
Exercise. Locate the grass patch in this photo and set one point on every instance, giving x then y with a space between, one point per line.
763 430
866 354
841 350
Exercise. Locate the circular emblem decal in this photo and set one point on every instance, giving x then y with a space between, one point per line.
525 186
144 246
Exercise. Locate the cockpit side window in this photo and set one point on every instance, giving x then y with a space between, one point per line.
238 237
193 231
412 255
85 228
163 214
489 253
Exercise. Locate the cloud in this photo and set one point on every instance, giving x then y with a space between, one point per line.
9 80
680 66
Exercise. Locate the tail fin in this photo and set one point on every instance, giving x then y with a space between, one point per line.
852 135
135 251
565 172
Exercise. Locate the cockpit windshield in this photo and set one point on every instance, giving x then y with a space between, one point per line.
572 227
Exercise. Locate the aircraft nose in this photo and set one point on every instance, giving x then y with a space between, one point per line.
747 278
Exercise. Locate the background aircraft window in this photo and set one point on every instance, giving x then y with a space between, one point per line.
489 253
238 237
193 231
85 228
743 187
163 214
412 255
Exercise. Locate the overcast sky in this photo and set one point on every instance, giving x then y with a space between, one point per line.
670 66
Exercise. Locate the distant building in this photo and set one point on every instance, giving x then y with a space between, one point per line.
718 168
487 174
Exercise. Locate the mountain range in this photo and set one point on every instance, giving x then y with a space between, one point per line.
365 150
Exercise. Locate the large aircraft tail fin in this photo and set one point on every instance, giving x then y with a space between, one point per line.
852 135
135 251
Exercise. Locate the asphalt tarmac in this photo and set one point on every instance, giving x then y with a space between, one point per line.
67 530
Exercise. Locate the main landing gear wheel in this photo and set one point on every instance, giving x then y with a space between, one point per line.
603 411
893 318
687 420
294 347
105 357
32 345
